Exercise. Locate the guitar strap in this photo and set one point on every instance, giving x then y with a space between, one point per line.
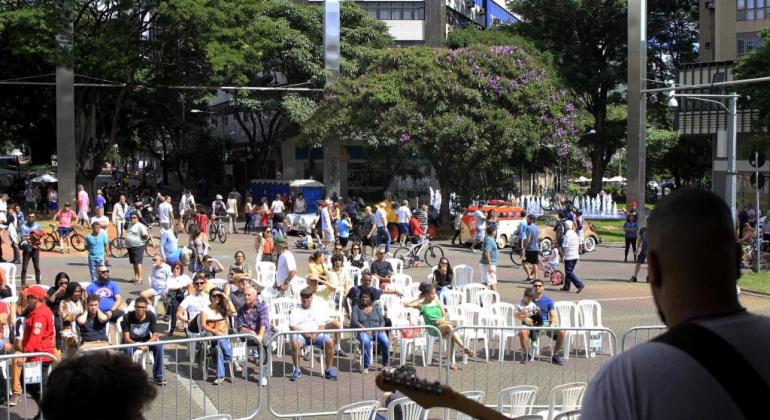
728 366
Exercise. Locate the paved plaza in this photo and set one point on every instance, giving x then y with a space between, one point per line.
624 305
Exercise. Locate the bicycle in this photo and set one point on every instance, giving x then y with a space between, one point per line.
517 252
749 257
410 254
118 247
217 229
555 276
52 239
188 219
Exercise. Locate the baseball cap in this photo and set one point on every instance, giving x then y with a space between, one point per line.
280 241
219 196
37 292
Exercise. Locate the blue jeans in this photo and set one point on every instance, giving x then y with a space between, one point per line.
224 353
440 292
366 343
382 232
92 264
157 359
570 276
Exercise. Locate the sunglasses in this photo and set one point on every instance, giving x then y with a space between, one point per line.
104 271
198 283
140 308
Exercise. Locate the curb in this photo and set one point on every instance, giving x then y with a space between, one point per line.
754 292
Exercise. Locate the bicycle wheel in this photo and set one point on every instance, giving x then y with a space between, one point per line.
516 257
151 246
48 242
432 255
401 253
222 233
764 261
213 231
78 242
118 248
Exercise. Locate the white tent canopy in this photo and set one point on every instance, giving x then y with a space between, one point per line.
582 179
617 179
44 178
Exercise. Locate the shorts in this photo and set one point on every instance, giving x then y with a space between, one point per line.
531 257
53 205
135 254
403 228
552 334
83 215
368 241
344 241
487 277
165 225
480 234
642 257
319 341
64 231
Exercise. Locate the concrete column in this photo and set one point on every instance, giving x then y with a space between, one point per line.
332 174
435 23
288 161
637 104
65 114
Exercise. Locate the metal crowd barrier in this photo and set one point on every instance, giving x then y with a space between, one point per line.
31 374
190 368
313 395
641 334
589 348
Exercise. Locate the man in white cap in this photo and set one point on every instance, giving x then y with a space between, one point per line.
218 207
571 250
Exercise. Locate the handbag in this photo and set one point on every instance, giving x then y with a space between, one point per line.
409 332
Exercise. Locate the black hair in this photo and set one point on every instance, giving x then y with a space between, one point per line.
141 299
97 382
60 275
425 288
529 292
71 288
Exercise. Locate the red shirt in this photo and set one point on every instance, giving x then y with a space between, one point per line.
39 332
414 226
203 222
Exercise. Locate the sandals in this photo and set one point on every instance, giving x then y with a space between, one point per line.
469 352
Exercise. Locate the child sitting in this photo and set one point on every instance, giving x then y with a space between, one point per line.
528 312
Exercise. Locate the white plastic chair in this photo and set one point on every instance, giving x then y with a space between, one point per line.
265 266
472 291
590 315
568 397
410 292
402 279
502 315
410 410
362 410
454 297
10 276
472 315
410 318
487 298
568 317
477 396
397 264
463 275
282 306
218 283
516 401
353 273
391 305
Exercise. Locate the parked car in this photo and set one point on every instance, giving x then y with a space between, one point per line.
551 231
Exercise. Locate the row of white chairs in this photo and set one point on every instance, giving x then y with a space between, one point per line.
564 402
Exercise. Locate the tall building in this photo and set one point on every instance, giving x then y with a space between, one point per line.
728 29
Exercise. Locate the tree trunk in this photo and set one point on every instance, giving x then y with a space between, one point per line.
597 172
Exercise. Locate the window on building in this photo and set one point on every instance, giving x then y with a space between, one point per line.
752 9
394 10
747 41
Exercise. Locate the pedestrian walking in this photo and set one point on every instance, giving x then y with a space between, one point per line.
630 227
488 262
571 248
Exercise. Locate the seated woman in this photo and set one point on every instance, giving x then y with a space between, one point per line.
70 308
176 290
316 265
214 321
366 315
433 313
239 269
442 277
338 279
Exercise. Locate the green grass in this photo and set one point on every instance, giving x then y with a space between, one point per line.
759 282
610 230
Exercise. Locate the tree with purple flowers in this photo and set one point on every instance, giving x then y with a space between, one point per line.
476 114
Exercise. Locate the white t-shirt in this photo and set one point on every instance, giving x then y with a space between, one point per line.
571 245
277 206
380 218
404 214
658 381
195 304
178 282
307 319
102 220
119 213
528 309
186 200
481 220
286 264
164 212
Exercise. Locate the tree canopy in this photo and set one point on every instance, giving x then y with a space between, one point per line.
470 112
752 65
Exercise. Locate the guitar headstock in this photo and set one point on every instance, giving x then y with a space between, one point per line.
427 394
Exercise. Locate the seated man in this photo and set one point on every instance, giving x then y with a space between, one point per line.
307 317
108 292
93 325
550 318
159 276
139 327
381 269
193 304
253 318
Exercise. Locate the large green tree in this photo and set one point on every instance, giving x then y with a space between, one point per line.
757 95
467 111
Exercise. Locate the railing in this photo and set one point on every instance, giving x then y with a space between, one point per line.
31 374
641 334
313 395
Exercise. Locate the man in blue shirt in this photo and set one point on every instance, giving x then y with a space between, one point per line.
488 262
30 247
97 246
531 249
108 292
550 318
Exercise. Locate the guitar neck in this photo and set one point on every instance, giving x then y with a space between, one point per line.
476 409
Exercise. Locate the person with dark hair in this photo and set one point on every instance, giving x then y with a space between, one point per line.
457 225
630 227
39 335
31 234
214 318
550 318
443 277
712 344
71 307
366 315
306 317
488 261
434 314
93 325
531 246
139 326
97 385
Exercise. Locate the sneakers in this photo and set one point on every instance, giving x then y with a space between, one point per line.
527 280
295 374
237 368
633 279
14 400
330 375
264 381
218 381
526 358
557 360
365 371
160 382
340 353
580 289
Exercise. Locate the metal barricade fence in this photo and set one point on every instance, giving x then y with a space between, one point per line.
499 359
32 375
190 367
314 395
641 334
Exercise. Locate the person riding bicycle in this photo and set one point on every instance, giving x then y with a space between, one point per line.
416 230
218 207
65 216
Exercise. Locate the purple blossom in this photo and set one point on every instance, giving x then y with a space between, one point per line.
569 108
563 149
420 118
404 137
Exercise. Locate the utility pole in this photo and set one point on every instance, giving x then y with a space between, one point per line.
65 109
332 155
637 106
